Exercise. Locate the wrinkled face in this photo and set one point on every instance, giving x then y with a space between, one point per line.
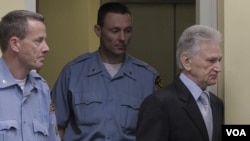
115 34
32 49
203 67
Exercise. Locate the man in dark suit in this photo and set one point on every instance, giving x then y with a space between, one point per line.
174 113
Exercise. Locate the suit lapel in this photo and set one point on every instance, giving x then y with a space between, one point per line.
192 109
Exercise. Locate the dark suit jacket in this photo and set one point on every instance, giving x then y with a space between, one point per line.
171 114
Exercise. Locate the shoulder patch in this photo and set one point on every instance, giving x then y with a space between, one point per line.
52 108
158 84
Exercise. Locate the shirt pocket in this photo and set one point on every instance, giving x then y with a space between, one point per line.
8 130
40 131
129 112
88 108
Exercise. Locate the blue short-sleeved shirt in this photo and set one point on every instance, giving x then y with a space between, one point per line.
25 115
93 106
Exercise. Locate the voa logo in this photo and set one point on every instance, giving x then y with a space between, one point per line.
236 132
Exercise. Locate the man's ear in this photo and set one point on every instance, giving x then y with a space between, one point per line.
186 61
14 43
97 29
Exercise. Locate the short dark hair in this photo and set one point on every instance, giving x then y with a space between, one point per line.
113 7
15 23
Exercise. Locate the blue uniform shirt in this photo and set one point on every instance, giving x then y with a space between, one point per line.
93 106
25 115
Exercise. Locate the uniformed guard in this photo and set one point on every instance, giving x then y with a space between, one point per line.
24 95
97 95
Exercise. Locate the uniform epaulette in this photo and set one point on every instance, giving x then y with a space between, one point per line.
77 60
143 64
82 57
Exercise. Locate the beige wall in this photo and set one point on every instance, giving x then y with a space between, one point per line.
236 61
8 5
70 31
